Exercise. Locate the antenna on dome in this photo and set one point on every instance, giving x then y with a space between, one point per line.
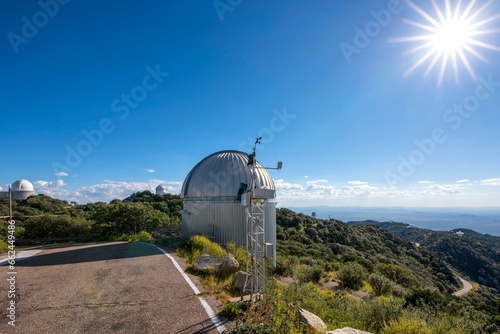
251 157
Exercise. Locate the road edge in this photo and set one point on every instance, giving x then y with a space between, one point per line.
210 312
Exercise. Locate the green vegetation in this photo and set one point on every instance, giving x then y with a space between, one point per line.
409 287
197 245
41 218
473 254
382 283
141 236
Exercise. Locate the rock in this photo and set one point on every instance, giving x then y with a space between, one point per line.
332 286
312 320
347 330
242 281
207 263
228 267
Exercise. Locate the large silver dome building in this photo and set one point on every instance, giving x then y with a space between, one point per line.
21 190
212 205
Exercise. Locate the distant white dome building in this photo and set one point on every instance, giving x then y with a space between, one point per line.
161 190
21 190
211 205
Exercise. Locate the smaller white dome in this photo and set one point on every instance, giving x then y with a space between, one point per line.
22 185
161 190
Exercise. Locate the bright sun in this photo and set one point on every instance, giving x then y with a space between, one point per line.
450 36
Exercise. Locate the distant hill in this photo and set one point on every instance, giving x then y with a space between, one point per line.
326 242
484 220
473 254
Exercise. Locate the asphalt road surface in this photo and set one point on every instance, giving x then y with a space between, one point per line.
101 288
466 288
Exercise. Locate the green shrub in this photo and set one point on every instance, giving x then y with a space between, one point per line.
407 326
141 236
198 245
4 247
351 275
398 274
239 253
285 265
234 310
381 285
306 273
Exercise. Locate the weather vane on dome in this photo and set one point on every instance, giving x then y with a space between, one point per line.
252 160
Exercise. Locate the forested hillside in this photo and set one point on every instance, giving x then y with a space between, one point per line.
330 242
473 254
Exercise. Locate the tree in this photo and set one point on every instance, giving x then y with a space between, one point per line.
50 226
398 274
351 275
127 218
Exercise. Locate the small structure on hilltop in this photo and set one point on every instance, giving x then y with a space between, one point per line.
161 190
21 190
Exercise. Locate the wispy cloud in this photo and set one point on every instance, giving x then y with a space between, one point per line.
444 189
102 192
463 181
149 170
426 182
491 182
61 174
358 183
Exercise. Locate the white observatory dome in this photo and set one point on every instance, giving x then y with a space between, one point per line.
22 185
219 175
161 190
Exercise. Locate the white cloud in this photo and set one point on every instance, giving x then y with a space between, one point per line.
149 170
306 177
317 181
491 182
102 192
61 174
426 182
320 190
358 183
445 189
51 188
463 181
177 183
155 181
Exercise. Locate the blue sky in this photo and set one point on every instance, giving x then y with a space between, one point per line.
100 99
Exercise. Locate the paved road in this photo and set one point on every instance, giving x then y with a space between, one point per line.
102 288
467 287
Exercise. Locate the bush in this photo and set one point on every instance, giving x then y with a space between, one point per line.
234 310
400 275
4 247
200 244
141 236
381 285
305 274
407 326
285 265
351 275
239 253
425 298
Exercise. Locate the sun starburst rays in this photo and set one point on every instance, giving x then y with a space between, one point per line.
449 37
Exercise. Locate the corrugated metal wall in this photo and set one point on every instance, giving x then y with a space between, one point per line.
224 221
